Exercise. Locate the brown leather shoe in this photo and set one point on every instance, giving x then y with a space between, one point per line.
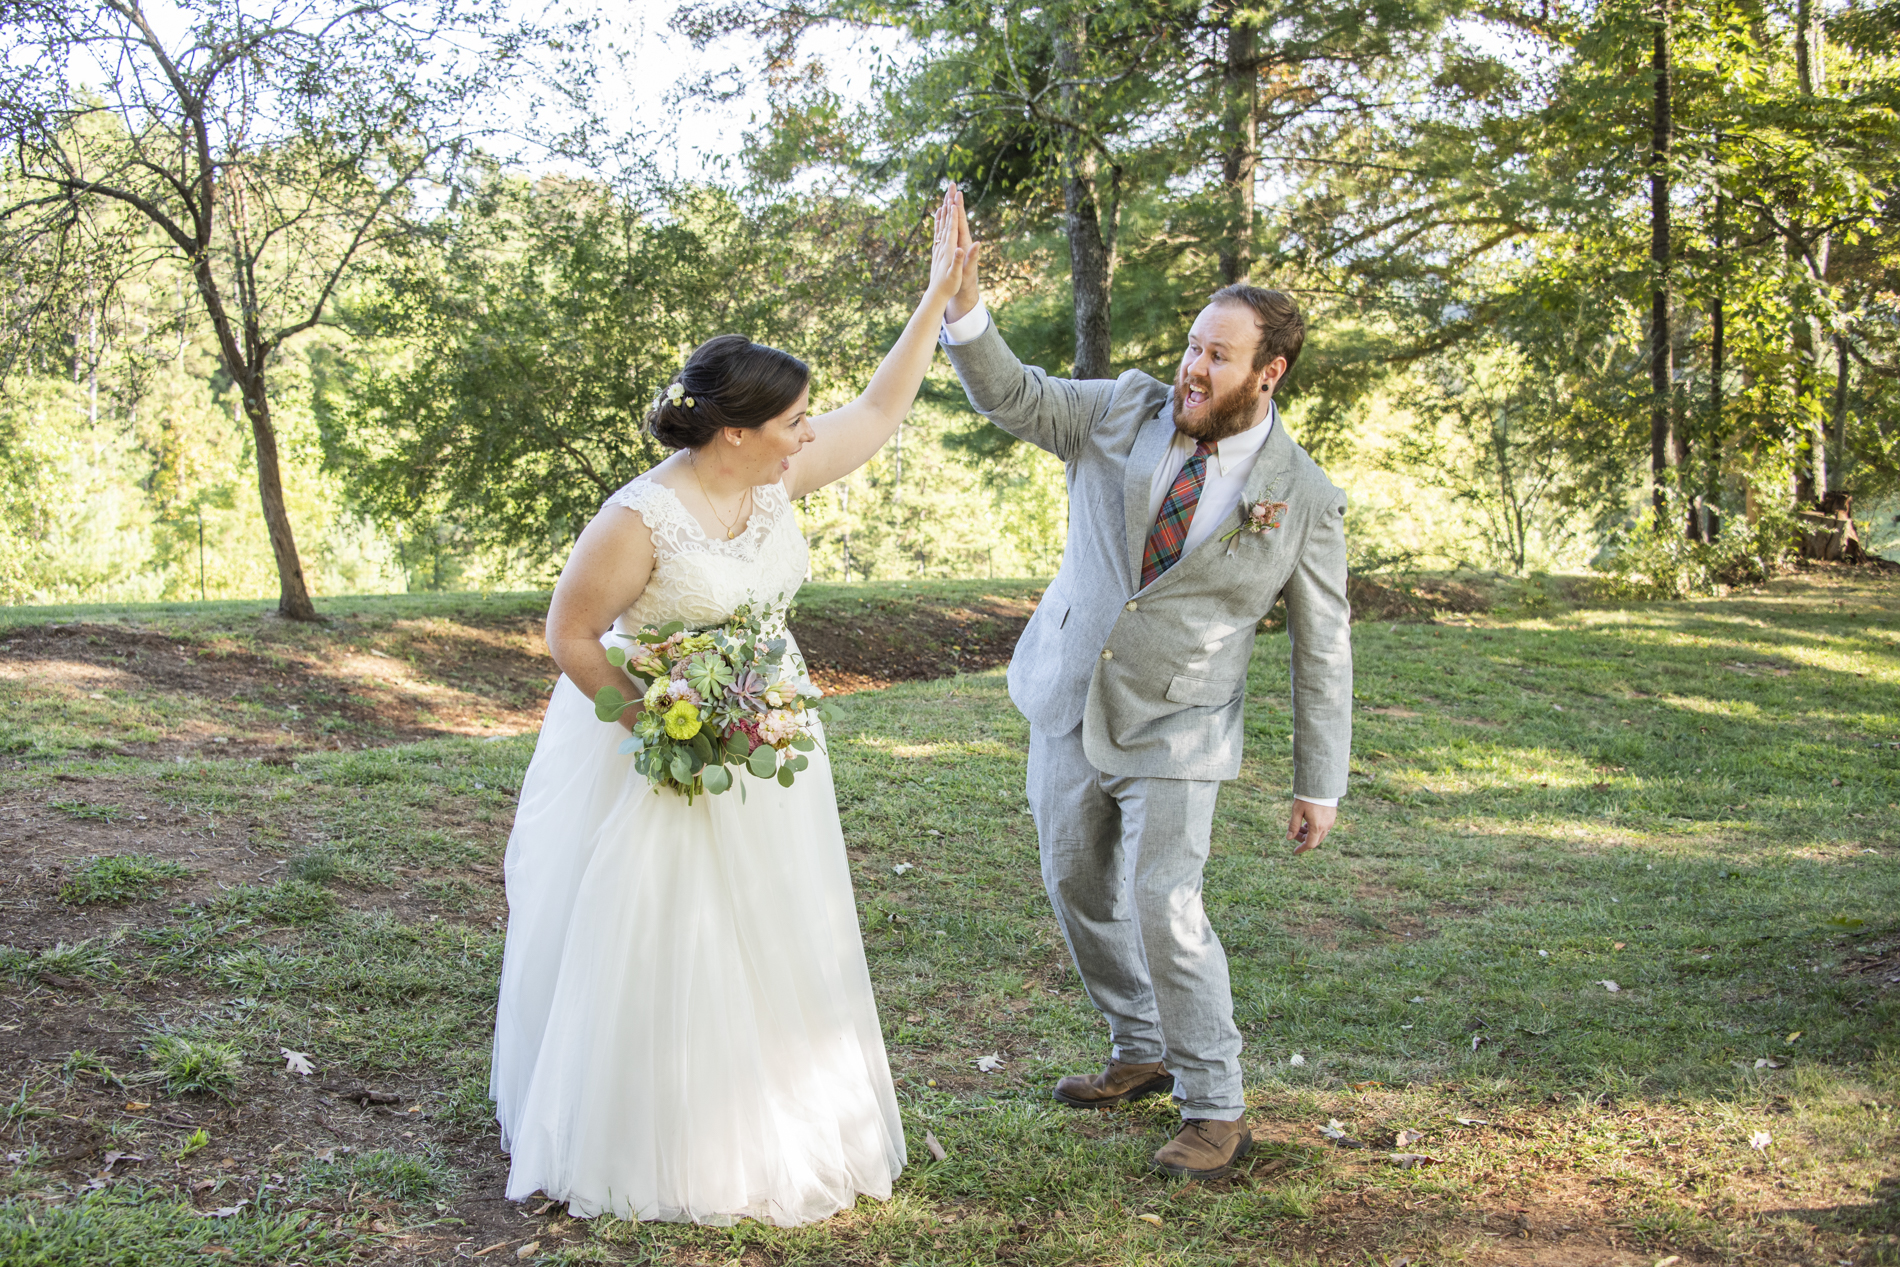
1205 1149
1116 1084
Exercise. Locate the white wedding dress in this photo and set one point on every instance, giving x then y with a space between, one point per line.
686 1030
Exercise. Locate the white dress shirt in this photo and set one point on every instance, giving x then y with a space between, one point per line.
1227 467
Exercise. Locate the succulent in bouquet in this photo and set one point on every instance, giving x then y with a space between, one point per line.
714 699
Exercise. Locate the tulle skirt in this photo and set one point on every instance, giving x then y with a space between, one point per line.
686 1030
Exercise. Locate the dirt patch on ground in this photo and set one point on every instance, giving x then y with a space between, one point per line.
100 1128
217 696
886 641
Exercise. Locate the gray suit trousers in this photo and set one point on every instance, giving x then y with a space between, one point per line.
1122 859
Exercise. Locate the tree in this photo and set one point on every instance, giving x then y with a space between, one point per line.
507 366
267 149
1075 104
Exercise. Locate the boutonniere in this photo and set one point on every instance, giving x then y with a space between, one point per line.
1259 517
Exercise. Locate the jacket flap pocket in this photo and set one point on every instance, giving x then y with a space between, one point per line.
1199 690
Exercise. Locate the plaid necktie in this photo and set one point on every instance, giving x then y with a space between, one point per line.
1177 512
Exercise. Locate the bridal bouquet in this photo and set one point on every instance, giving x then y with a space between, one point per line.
717 698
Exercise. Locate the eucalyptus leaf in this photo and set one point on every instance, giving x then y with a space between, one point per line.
763 761
616 657
804 743
632 743
609 704
717 778
785 776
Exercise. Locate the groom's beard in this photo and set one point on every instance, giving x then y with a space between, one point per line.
1224 416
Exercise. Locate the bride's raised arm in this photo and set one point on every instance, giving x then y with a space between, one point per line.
847 437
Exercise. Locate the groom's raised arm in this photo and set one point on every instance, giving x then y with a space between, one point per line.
1056 414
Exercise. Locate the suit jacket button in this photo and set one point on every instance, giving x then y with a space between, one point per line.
1107 654
1131 605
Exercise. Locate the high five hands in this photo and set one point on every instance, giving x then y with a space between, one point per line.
952 252
968 295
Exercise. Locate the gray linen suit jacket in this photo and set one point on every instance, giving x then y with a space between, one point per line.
1157 676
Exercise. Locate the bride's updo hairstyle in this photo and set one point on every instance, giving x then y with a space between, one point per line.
728 381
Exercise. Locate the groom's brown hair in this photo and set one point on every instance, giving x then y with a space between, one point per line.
1282 328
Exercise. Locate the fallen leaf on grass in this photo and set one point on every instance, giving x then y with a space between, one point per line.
1611 986
1337 1133
225 1211
990 1063
1670 1261
1765 1063
529 1250
901 868
136 1106
933 1147
1760 1140
1412 1161
113 1159
1150 1218
1472 1121
1296 1060
1475 1040
1618 945
1410 1137
204 1185
297 1062
1793 1036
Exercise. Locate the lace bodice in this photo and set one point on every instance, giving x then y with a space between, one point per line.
702 581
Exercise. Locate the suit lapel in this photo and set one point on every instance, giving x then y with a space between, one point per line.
1269 469
1151 444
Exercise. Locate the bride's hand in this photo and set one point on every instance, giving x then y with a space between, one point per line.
952 253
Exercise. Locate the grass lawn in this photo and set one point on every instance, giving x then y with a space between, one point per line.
1694 803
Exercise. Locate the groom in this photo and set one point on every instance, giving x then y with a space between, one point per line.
1190 512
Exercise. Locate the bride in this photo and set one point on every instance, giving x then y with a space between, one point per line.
686 1030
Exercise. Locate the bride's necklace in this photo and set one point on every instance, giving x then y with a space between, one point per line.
730 525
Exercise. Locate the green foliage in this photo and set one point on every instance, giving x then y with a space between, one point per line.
286 902
195 1064
316 866
120 878
383 1175
126 1226
87 1063
77 960
1653 560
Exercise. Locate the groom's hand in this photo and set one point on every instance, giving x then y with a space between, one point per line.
1310 824
969 293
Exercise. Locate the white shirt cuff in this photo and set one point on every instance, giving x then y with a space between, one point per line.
1330 802
968 326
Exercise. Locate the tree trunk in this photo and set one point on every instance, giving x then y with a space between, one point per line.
1809 77
248 375
1662 441
1091 253
293 599
1712 440
1240 128
1837 460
